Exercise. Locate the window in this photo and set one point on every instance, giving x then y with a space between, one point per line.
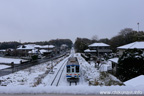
100 48
72 69
77 69
68 69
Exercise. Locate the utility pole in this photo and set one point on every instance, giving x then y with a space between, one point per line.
138 26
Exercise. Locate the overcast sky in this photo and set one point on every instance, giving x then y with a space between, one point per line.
43 20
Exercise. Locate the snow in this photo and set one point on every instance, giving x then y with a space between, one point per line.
42 51
2 50
98 44
104 68
88 50
33 51
9 60
26 77
24 80
115 60
137 45
48 79
4 66
137 81
82 89
48 46
33 46
26 47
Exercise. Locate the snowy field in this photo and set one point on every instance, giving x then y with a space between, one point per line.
4 66
38 79
9 60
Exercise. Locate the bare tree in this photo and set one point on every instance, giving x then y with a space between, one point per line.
95 37
125 31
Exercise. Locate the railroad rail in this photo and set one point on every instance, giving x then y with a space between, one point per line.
58 73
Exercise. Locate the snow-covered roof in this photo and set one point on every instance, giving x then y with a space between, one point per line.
26 47
2 50
43 51
33 46
115 60
138 45
88 50
98 44
48 46
33 51
64 45
139 80
37 46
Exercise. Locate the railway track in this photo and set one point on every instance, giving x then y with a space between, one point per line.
58 75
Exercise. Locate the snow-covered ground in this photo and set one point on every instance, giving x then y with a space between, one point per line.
137 81
91 81
27 77
9 60
4 66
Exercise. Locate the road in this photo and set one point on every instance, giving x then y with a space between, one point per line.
19 67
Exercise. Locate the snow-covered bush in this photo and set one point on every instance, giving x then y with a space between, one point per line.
131 64
95 77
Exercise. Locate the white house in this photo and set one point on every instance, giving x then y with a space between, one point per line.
134 45
98 49
33 48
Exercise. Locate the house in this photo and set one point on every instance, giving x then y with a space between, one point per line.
114 63
2 52
98 49
63 47
134 45
47 50
29 49
47 47
24 49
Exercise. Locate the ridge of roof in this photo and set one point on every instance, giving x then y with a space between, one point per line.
98 44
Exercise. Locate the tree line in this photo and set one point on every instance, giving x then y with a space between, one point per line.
125 36
55 42
6 45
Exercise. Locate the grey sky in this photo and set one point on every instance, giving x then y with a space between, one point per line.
43 20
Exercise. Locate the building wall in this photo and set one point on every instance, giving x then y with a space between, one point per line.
120 52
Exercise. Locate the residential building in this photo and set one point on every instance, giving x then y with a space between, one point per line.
63 47
98 49
30 49
134 45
